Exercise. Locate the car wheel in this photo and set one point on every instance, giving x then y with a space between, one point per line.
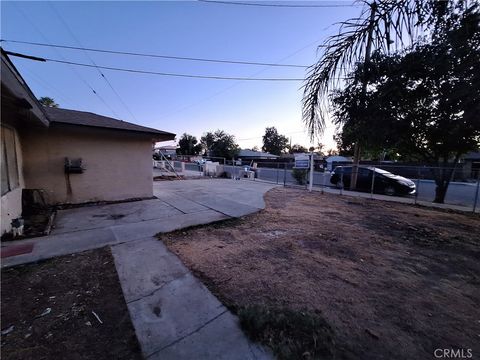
389 190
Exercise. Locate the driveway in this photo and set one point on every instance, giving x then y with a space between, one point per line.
232 198
179 204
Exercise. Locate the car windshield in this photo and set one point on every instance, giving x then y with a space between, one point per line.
384 172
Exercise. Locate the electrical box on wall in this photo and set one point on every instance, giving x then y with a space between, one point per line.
73 166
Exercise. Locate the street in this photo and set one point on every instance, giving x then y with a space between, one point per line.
458 193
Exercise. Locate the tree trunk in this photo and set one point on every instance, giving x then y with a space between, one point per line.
443 177
440 192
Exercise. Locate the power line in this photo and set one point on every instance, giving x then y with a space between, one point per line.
156 55
93 62
60 54
278 5
153 72
237 83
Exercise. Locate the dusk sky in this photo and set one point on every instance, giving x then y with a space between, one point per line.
177 28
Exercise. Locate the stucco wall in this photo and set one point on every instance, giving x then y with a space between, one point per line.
118 164
11 202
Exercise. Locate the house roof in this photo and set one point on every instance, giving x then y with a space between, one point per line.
166 147
14 85
255 154
337 158
83 118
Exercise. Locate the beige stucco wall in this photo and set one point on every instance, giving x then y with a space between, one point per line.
118 164
11 202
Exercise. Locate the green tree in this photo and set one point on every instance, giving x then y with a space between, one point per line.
423 104
48 102
383 25
273 142
295 149
219 144
188 145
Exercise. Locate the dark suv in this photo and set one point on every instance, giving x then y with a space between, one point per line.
384 183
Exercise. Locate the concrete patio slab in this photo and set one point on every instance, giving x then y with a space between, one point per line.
130 232
62 244
182 203
230 197
93 217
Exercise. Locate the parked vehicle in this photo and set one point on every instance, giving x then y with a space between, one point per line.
384 182
200 161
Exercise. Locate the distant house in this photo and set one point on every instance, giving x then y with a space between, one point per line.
247 155
471 165
333 161
73 156
169 151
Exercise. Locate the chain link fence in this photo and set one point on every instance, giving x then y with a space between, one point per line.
408 184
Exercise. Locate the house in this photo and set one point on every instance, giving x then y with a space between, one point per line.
247 155
73 156
169 151
333 161
471 165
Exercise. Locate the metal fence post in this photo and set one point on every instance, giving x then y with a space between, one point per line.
284 174
234 175
324 181
476 193
373 183
418 185
278 167
341 182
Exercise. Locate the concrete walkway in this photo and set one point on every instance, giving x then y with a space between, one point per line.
174 315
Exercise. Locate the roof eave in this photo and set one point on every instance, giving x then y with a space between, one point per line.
14 82
165 136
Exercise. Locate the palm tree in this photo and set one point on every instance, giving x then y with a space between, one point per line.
382 25
48 102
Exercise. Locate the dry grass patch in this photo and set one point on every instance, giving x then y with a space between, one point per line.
393 281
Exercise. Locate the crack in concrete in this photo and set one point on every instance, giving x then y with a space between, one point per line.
187 335
208 207
157 289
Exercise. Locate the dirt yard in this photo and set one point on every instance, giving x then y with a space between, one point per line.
48 310
394 281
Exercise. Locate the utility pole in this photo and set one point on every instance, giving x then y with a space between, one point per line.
357 150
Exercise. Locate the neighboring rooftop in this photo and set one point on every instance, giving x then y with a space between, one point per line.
246 153
83 118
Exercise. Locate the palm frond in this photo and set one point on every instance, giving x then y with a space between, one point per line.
395 22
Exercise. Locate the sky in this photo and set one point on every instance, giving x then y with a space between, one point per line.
177 28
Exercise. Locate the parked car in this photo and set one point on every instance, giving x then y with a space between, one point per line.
384 183
200 161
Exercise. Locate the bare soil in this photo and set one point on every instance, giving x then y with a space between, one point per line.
394 281
47 310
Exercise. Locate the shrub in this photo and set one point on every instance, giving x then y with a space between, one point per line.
300 175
